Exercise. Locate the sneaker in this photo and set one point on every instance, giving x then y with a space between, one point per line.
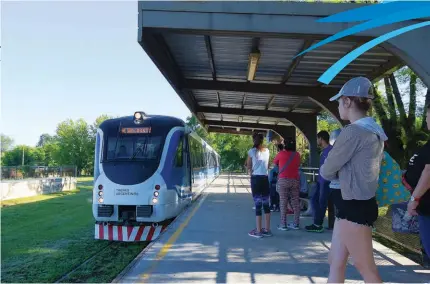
314 228
266 233
253 208
277 209
255 234
293 226
282 227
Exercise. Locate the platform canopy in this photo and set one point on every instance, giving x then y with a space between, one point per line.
234 66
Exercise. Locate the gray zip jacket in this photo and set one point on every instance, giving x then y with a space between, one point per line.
356 156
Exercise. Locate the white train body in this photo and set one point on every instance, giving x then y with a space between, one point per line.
145 173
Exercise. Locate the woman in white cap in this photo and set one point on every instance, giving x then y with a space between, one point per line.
355 160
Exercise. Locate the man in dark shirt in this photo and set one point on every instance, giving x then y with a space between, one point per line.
320 197
418 177
417 164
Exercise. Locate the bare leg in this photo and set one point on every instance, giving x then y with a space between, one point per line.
358 241
267 216
259 223
337 258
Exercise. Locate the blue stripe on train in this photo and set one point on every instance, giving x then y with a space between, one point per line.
172 175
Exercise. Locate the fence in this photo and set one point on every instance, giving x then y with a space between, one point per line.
27 172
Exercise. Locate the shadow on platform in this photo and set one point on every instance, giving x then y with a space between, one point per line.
215 247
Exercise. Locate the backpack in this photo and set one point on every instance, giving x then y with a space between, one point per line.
390 187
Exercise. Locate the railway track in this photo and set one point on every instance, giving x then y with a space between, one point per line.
77 267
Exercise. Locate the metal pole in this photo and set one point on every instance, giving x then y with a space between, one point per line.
23 156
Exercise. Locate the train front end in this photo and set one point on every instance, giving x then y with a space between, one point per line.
130 197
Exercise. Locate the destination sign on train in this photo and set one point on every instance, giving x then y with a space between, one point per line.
136 130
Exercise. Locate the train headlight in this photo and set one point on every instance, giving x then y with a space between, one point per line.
156 194
154 200
137 115
100 193
101 200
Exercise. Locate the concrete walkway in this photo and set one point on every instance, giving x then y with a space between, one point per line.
209 243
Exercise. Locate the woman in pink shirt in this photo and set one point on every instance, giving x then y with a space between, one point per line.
288 185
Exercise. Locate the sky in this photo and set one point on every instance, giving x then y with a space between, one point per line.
71 60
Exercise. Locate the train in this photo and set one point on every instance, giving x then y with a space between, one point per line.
147 169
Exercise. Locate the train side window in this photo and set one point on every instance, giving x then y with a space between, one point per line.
179 157
201 155
193 152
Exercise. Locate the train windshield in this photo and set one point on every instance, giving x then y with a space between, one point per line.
134 147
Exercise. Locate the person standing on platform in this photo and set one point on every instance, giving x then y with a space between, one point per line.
258 165
321 195
335 193
417 177
288 185
355 160
273 180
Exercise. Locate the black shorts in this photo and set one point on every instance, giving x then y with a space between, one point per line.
363 212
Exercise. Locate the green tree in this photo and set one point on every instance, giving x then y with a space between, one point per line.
93 131
52 151
99 120
195 126
6 143
75 144
424 115
326 125
232 148
192 122
49 145
29 155
45 139
302 147
400 120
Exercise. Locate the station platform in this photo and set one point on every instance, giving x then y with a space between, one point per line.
209 243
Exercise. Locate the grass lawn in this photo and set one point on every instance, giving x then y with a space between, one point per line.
45 237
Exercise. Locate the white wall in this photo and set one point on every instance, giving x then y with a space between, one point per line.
32 187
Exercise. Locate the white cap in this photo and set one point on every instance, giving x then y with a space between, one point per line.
356 87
